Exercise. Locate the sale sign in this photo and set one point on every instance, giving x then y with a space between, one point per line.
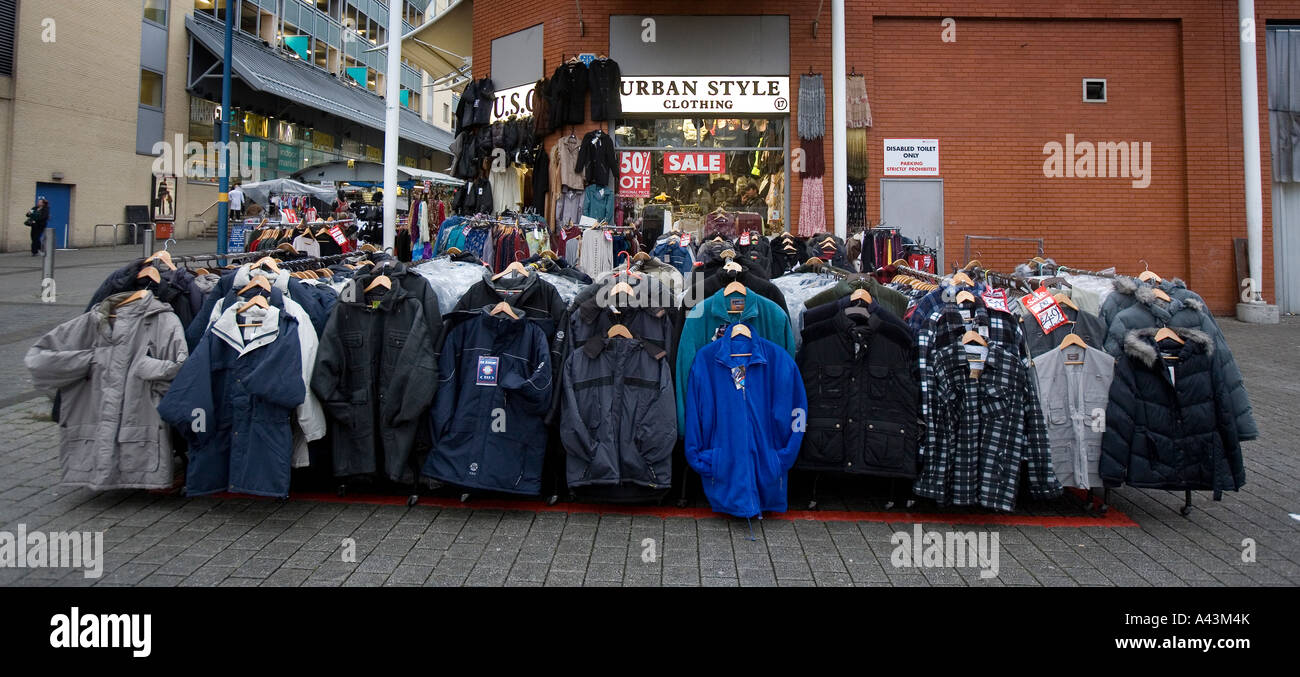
634 174
694 163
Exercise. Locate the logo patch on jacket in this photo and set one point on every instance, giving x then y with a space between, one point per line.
487 370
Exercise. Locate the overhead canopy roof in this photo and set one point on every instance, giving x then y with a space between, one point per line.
362 172
264 70
444 43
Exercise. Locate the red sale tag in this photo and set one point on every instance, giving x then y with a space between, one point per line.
337 235
744 239
609 236
995 299
686 240
1045 309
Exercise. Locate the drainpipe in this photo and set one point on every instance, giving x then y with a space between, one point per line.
1253 308
392 119
839 109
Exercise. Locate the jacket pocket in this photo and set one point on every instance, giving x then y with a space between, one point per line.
882 381
831 382
823 442
138 449
78 449
885 446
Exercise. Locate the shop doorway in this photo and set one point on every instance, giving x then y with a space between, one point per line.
915 208
60 198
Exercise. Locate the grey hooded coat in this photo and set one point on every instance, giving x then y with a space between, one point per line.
1185 310
112 373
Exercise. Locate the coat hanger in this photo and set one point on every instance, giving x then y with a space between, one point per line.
514 267
1147 275
640 256
735 288
618 330
260 302
1162 295
151 273
973 337
1064 300
132 298
380 281
860 295
965 297
504 307
269 263
164 256
259 281
1072 339
1167 333
963 278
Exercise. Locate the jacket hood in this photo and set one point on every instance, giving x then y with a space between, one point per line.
1140 344
1162 310
145 307
524 284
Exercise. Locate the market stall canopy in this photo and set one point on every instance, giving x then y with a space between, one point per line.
261 191
443 45
266 71
360 172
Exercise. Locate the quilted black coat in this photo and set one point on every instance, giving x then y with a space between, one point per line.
1170 430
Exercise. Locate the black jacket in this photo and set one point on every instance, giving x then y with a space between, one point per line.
568 93
619 416
494 389
784 261
604 78
864 397
596 162
533 295
475 107
474 197
1168 431
375 377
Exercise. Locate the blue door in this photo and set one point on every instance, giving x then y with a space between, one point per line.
59 196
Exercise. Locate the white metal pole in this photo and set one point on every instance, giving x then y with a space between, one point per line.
392 120
839 109
1251 155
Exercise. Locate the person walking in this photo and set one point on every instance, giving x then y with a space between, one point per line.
37 217
236 196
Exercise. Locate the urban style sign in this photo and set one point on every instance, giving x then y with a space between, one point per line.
670 94
911 157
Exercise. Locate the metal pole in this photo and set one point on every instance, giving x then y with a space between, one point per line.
1251 154
147 241
839 109
47 263
223 182
392 119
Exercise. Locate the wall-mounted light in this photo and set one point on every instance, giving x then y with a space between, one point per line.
56 176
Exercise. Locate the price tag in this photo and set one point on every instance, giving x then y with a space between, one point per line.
686 240
1044 308
995 299
609 237
744 239
337 235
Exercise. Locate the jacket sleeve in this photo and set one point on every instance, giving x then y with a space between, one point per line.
584 157
534 386
1225 366
199 325
191 392
1038 449
444 399
61 357
410 393
278 379
699 423
310 414
1230 471
573 429
686 349
655 435
327 375
790 409
1121 427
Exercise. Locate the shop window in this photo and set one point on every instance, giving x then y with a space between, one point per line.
156 11
1094 90
151 88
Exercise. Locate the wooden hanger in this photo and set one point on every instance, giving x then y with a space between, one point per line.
1147 275
1064 300
259 281
640 256
366 262
1167 333
369 248
453 251
164 256
741 330
860 295
286 247
514 267
259 301
974 263
618 330
735 288
381 281
547 253
1072 339
151 273
965 297
731 266
132 298
814 261
201 271
973 337
504 307
1162 295
622 288
963 278
268 263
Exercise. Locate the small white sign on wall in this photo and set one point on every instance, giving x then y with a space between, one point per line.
911 157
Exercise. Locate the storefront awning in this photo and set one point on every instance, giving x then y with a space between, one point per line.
264 70
368 173
443 45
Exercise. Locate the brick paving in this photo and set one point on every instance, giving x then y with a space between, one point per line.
166 540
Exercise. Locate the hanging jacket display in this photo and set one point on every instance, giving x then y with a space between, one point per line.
568 93
744 395
1074 388
705 322
864 397
596 160
246 381
375 377
531 294
617 418
493 390
604 78
1169 422
112 366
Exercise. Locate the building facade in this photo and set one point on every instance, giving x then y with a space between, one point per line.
94 100
1110 132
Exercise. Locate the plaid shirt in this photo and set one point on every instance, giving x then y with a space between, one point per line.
979 429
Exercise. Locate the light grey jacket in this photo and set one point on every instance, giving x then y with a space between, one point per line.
112 373
1074 400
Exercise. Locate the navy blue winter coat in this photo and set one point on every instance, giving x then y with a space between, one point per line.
743 439
494 387
299 291
233 401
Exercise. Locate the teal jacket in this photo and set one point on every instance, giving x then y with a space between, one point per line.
707 319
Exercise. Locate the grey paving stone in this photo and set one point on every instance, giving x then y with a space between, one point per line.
286 578
564 579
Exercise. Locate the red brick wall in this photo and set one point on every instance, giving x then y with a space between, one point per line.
1009 84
